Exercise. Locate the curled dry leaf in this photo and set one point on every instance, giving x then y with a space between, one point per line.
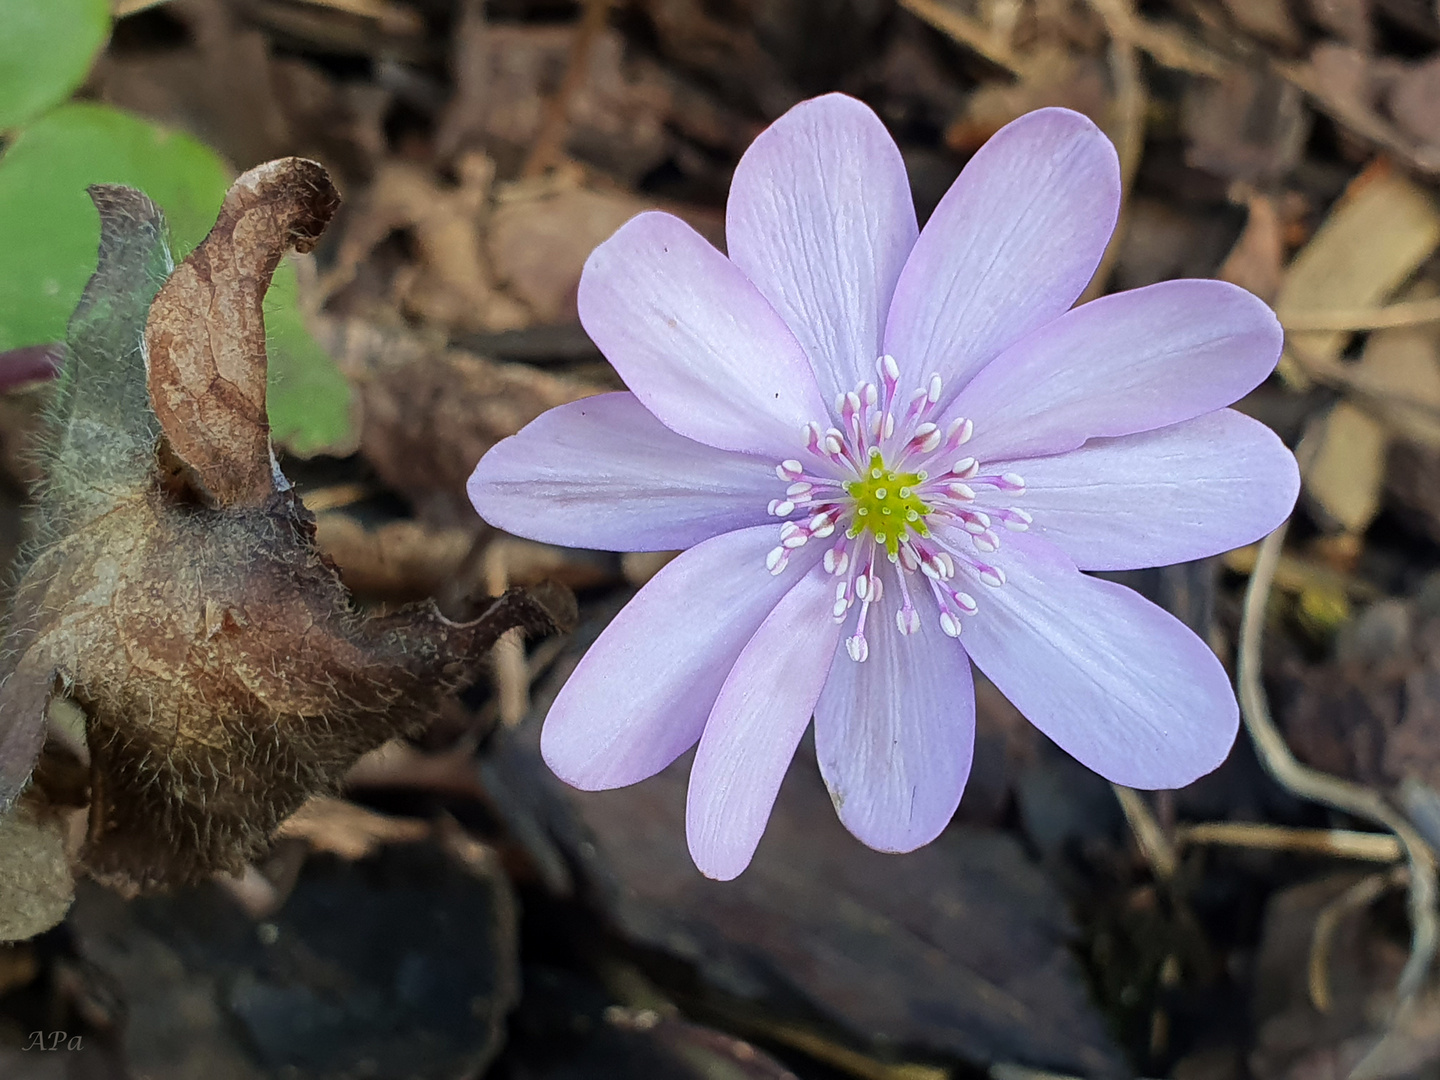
176 594
206 332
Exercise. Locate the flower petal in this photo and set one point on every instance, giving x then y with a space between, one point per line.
1130 362
821 220
639 697
695 341
1011 245
603 473
1178 493
894 735
1119 684
763 709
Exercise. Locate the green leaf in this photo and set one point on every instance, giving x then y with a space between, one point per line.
49 233
311 403
46 48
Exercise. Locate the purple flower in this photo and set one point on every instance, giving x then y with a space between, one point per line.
946 444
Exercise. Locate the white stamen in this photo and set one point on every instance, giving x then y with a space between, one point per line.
965 468
932 393
1018 520
1012 482
949 624
987 541
777 558
908 620
967 603
801 488
889 369
858 648
958 490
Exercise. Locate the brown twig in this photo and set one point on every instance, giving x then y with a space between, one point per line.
968 32
1333 843
1360 895
1149 837
1308 783
1405 313
1131 98
545 152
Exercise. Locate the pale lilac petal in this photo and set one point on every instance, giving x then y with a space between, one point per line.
894 734
821 220
1178 493
695 340
603 473
1010 247
763 709
639 697
1118 683
1130 362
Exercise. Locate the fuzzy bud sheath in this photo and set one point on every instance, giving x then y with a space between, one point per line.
173 590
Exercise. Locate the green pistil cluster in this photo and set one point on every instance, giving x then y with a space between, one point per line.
886 504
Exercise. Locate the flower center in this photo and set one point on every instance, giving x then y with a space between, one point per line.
904 495
887 504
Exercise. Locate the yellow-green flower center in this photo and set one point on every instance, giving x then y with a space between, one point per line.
886 503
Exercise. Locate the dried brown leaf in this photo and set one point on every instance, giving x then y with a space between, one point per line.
206 332
36 887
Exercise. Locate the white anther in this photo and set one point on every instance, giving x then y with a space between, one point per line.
888 367
783 509
838 610
908 558
862 586
869 393
772 506
992 576
833 443
825 527
1012 482
1018 520
949 624
811 434
965 468
801 488
932 392
777 558
852 402
843 562
889 425
839 403
858 648
958 490
789 469
908 620
877 589
927 438
799 540
945 560
966 603
959 432
985 541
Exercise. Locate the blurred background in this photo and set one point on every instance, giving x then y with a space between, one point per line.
459 913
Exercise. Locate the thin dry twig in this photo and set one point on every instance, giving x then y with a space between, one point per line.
1333 843
1389 317
549 142
1308 783
1360 895
1149 836
968 32
1132 102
